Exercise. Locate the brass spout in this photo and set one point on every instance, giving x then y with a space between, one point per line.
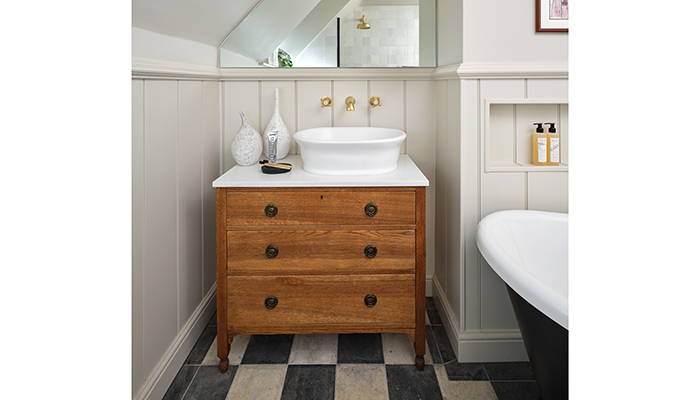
350 102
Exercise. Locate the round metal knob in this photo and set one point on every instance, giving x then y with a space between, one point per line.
371 209
370 300
271 302
270 210
271 251
371 251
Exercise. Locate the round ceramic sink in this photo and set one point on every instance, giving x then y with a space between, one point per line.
350 150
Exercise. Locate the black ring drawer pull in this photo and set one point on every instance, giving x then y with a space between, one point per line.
371 251
370 300
270 210
271 251
271 302
371 209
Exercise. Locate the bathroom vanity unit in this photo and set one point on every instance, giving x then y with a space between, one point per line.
302 253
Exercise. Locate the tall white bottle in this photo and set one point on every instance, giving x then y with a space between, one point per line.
276 124
246 145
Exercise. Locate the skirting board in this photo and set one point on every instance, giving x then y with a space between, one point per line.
477 346
160 379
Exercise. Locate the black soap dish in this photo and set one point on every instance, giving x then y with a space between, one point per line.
275 168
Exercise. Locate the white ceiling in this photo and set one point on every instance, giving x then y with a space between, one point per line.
208 22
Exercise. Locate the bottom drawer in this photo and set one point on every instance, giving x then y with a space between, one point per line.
308 300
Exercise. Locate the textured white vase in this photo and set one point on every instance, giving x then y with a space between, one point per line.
284 140
246 146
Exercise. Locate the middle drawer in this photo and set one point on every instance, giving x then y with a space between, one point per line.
321 252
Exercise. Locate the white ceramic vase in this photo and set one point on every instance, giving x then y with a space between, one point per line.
246 146
284 140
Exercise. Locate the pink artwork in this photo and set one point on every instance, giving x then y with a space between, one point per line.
559 9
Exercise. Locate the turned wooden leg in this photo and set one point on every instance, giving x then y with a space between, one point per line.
223 365
420 362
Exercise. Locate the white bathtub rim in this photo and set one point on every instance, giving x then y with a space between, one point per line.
540 295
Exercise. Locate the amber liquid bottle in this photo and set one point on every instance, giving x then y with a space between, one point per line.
552 145
539 146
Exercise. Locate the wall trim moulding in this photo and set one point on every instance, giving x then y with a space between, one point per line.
163 375
154 69
501 70
301 74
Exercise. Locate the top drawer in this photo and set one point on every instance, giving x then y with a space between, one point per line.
321 208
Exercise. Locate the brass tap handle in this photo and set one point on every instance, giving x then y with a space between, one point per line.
374 101
350 102
326 102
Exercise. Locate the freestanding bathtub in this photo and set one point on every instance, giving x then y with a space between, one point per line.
529 251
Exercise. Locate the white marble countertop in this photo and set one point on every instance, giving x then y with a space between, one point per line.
407 174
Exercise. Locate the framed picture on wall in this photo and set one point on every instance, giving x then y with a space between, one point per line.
552 15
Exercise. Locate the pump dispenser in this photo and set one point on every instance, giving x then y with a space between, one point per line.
539 146
552 145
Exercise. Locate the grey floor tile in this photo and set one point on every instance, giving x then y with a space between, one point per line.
406 382
268 349
463 390
432 345
434 317
314 349
360 348
202 346
361 382
429 303
465 372
212 320
181 382
309 382
210 384
509 371
443 344
523 390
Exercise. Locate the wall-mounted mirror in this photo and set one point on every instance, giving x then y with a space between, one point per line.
333 33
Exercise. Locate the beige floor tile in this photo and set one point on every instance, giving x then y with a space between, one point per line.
399 349
314 349
235 356
258 382
467 390
361 382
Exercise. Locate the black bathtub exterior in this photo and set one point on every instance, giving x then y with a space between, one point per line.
547 346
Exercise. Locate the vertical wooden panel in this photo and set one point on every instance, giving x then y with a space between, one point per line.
309 95
287 101
526 115
138 372
239 96
564 133
469 200
390 113
358 90
496 309
453 204
501 136
160 191
548 191
420 146
211 138
189 174
440 179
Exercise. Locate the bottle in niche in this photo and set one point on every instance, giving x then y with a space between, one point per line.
276 124
539 146
552 145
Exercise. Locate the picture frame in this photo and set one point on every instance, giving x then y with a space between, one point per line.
552 15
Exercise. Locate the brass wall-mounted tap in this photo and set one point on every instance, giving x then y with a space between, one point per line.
350 102
374 101
326 102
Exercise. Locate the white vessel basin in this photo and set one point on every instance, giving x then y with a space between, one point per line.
350 150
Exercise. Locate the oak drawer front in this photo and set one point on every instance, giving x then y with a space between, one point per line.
321 252
319 299
320 208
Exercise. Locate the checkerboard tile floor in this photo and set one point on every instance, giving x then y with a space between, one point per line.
345 366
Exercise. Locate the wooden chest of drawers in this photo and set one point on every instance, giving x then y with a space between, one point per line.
320 260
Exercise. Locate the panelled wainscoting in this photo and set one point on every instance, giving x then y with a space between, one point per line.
184 119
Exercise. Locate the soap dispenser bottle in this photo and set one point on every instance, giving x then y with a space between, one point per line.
539 146
552 145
